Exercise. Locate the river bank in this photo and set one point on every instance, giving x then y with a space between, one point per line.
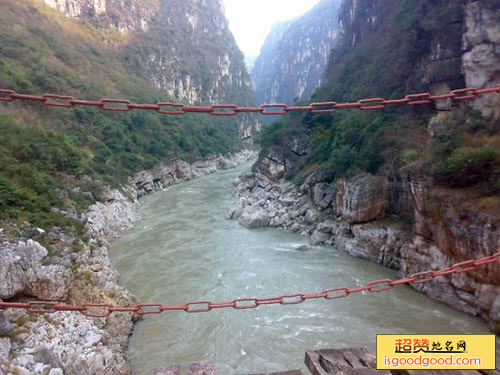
354 215
183 250
55 266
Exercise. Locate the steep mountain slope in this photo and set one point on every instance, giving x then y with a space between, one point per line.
410 187
294 56
183 47
111 50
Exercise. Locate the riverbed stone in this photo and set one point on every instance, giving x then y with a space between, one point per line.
254 219
304 247
5 347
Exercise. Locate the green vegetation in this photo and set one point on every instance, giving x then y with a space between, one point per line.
390 61
409 156
468 166
467 154
45 150
350 141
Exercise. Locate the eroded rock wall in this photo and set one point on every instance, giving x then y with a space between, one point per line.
481 58
346 215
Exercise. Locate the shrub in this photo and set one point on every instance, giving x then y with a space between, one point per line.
409 156
468 166
9 195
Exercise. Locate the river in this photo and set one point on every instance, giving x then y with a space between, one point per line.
184 250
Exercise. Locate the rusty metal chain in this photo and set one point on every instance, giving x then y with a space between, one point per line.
101 310
169 108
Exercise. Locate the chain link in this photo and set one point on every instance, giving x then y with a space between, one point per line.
123 105
102 310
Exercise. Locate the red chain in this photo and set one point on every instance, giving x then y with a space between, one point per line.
122 105
101 310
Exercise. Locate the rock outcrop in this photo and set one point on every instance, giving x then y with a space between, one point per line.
294 56
166 174
23 270
64 342
360 199
357 215
481 58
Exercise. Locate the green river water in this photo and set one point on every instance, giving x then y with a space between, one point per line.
184 250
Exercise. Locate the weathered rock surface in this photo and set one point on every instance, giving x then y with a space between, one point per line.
23 271
362 198
166 174
113 216
354 215
482 55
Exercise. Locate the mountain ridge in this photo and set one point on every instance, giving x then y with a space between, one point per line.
295 54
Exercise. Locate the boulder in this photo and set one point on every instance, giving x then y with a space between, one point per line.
318 237
322 194
22 271
362 198
254 219
304 247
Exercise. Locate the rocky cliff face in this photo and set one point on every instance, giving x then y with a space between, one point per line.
123 15
354 215
261 75
439 68
480 59
295 54
400 217
184 48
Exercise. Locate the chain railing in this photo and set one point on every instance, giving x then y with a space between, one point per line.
101 310
170 108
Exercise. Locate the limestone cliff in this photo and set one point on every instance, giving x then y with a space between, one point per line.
480 59
293 58
184 48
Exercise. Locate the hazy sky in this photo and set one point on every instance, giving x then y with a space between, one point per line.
251 20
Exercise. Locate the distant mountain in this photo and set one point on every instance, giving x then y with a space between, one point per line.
250 62
294 56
